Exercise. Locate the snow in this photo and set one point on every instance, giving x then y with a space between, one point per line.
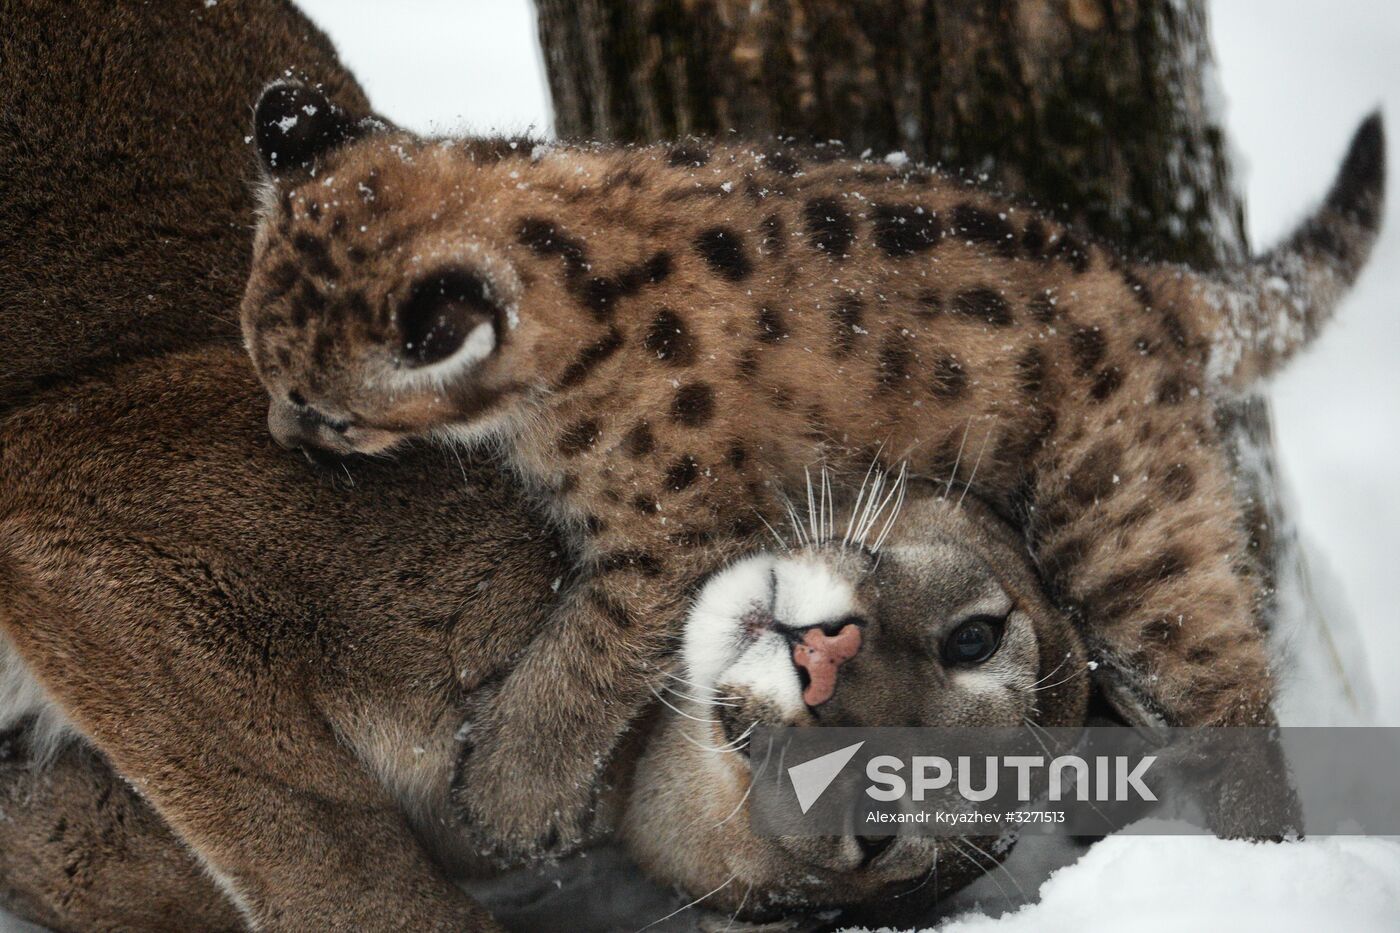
1175 883
1294 79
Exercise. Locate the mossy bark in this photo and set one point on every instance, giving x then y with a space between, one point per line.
1099 110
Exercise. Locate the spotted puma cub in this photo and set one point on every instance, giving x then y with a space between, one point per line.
663 338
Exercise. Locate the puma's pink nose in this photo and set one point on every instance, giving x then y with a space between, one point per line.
820 654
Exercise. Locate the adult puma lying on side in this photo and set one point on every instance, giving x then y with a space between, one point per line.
280 662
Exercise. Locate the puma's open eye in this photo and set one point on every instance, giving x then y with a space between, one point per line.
973 641
448 313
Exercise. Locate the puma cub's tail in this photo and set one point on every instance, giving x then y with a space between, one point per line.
1274 306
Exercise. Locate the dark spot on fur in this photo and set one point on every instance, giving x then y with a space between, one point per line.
1087 346
280 279
723 249
1106 382
930 303
846 316
692 156
830 227
771 326
356 255
896 356
669 339
1064 558
639 441
1160 631
1130 589
322 349
1043 307
356 307
905 229
1179 482
624 178
982 304
544 239
1072 252
978 226
783 164
1033 239
1021 446
593 524
949 379
600 294
682 473
1138 287
737 455
1175 330
316 255
1171 390
578 437
1136 515
1202 654
1030 372
693 405
1094 477
589 358
306 303
644 504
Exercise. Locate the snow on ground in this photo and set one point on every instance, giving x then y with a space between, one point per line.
1147 884
1298 76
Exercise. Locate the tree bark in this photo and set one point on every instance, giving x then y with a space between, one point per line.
1099 110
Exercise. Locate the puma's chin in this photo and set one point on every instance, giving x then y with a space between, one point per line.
372 441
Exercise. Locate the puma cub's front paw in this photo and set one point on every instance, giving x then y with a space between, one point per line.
522 804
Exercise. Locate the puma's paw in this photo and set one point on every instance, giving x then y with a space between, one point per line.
517 811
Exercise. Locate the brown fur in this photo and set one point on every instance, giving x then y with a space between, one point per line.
662 348
124 201
80 850
243 645
284 692
257 652
108 105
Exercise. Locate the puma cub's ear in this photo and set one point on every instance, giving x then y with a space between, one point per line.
295 124
450 314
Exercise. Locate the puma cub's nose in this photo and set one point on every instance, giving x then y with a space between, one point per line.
820 654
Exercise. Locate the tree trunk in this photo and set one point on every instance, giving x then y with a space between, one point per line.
1097 109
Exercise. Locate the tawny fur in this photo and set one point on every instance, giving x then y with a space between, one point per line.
663 339
252 655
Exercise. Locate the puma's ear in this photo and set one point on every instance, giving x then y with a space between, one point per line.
295 125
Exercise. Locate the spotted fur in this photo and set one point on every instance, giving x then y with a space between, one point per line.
799 312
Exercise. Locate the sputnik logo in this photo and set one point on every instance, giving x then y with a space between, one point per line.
811 778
